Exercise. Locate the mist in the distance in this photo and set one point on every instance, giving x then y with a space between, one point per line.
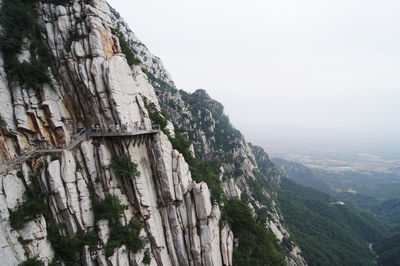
283 69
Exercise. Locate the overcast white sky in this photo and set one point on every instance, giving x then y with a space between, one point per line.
285 67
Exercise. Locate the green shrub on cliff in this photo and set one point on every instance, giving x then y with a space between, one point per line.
130 57
32 262
109 209
156 116
22 32
112 209
257 245
33 206
123 166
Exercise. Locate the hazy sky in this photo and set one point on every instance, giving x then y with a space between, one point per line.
285 67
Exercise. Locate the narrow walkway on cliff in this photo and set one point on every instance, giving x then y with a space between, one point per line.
83 134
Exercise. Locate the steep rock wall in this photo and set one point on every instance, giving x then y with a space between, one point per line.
245 170
95 85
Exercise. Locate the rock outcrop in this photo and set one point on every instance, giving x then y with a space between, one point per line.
95 81
95 85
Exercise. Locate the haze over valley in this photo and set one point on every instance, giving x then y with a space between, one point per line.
338 155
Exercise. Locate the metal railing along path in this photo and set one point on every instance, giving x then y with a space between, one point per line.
123 134
78 138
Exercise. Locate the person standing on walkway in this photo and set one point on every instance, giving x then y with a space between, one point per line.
142 126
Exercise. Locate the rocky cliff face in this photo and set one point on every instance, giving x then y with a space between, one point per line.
171 216
101 73
246 171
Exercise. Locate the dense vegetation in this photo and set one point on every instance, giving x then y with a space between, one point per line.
22 32
388 251
388 212
207 172
130 57
257 245
32 262
156 116
303 175
123 166
112 210
377 193
382 186
227 138
34 205
328 234
201 171
67 249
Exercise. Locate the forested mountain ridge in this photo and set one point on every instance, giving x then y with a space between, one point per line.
388 251
269 190
386 212
379 198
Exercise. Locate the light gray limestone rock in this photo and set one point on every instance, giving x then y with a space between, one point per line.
6 110
61 11
123 90
202 200
64 27
21 117
172 207
34 234
210 239
95 43
103 231
13 190
85 203
195 247
86 257
226 245
88 154
168 237
104 156
56 184
143 85
177 236
11 251
231 189
154 225
120 257
68 167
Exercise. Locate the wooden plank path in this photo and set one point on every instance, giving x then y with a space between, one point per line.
78 138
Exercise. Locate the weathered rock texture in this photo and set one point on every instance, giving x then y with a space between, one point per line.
97 86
